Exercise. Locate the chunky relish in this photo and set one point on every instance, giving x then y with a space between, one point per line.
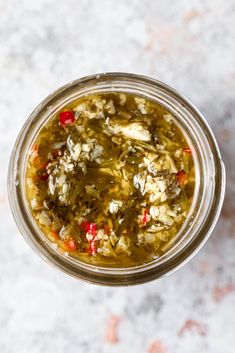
110 179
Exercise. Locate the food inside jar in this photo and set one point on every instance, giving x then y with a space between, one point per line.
110 179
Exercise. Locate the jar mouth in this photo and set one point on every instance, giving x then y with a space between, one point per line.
209 191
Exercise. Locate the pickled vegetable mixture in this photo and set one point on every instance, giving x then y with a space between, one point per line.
110 179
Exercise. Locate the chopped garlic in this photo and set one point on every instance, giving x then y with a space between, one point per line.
113 238
58 145
86 147
154 212
61 179
152 169
114 206
164 215
30 182
74 149
101 235
136 131
80 128
155 185
155 228
89 236
99 103
81 108
110 107
171 165
161 184
68 167
116 129
139 182
149 238
123 245
63 193
34 204
168 117
95 115
51 185
140 237
158 197
122 97
140 102
178 153
106 249
96 152
44 218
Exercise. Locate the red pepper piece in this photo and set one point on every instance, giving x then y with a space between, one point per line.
85 225
55 153
71 244
93 229
67 117
89 227
181 177
107 230
145 217
44 176
43 173
187 150
92 247
43 165
34 153
55 235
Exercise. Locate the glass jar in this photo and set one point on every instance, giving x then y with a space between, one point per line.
209 170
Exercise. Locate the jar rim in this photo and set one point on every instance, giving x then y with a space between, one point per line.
121 82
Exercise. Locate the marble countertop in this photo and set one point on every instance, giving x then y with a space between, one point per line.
190 46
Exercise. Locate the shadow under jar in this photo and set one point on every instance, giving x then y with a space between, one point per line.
197 139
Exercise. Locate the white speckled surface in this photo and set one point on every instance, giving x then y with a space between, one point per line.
187 44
